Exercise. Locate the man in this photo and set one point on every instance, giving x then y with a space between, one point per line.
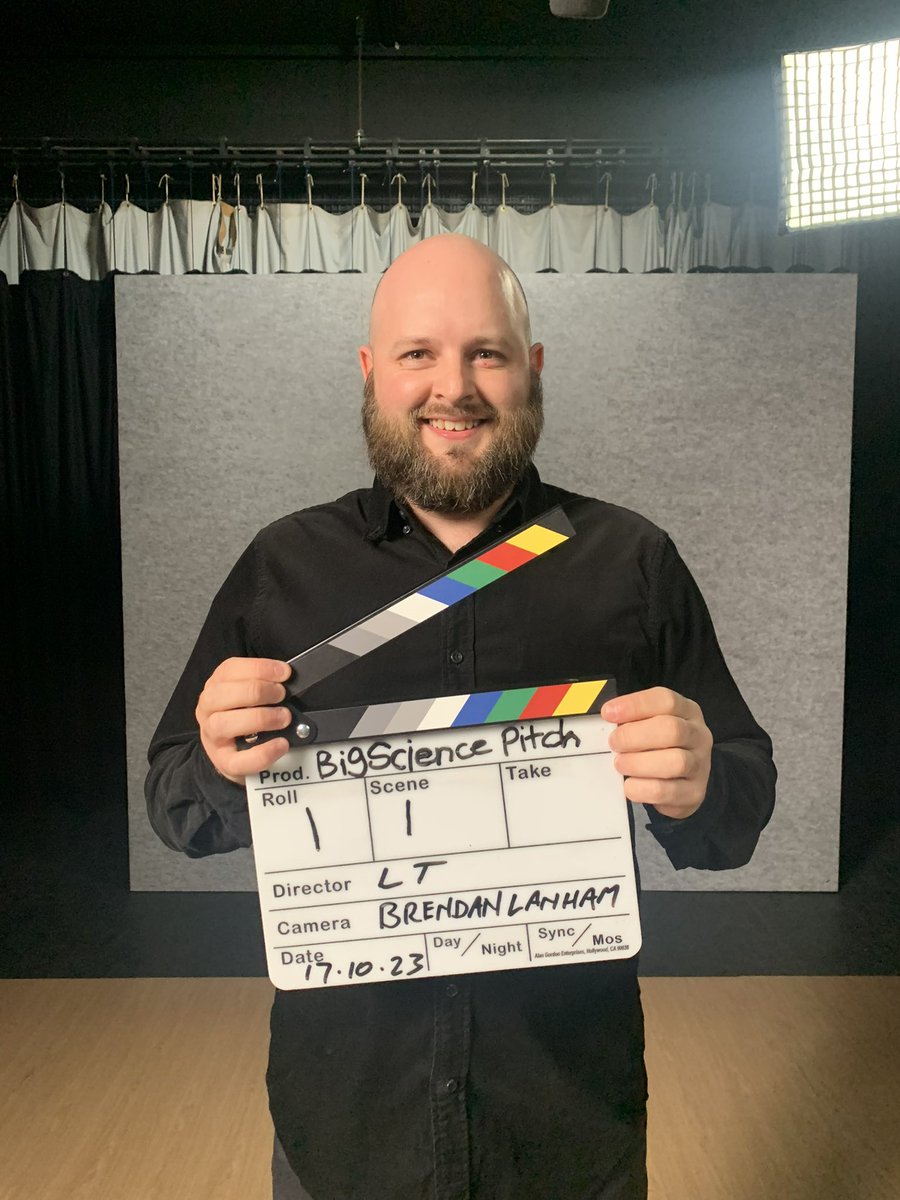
511 1085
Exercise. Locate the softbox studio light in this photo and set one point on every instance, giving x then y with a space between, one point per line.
840 111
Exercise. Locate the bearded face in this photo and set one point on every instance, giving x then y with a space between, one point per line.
459 480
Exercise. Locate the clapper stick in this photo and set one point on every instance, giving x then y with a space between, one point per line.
311 666
496 562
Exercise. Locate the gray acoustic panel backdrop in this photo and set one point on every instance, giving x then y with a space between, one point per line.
719 406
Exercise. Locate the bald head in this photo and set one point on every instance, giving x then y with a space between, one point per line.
451 264
452 409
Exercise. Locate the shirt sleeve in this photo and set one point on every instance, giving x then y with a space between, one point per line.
724 831
191 806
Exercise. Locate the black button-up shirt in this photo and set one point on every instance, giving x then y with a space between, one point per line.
508 1085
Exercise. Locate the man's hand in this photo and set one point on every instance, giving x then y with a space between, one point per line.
663 747
233 704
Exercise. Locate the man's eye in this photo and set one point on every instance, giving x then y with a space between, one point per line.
414 354
487 354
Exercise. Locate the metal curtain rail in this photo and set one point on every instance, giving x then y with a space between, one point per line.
608 152
526 173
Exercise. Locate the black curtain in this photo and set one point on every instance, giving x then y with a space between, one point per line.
63 694
64 706
871 774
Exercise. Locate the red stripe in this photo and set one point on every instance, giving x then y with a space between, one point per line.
544 701
506 557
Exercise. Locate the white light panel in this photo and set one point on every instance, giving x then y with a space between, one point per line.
840 121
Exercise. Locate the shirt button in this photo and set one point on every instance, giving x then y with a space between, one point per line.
452 990
456 657
451 1085
407 529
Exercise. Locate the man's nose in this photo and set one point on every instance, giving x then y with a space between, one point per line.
452 380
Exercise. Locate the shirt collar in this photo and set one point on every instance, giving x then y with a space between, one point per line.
386 516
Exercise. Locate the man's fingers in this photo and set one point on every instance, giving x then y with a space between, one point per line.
236 764
239 700
662 746
240 722
221 695
658 764
272 669
653 702
218 735
672 797
656 733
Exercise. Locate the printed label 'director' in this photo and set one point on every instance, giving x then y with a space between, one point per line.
443 852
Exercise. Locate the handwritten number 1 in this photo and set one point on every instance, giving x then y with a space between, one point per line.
315 831
409 818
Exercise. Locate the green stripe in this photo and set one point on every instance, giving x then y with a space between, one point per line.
511 704
476 574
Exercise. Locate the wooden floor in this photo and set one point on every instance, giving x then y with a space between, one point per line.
152 1089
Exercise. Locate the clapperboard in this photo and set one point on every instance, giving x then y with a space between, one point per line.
479 832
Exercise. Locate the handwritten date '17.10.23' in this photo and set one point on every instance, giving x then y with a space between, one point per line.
401 965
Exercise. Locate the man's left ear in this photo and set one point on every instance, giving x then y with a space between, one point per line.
536 358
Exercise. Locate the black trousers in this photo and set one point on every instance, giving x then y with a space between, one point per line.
630 1183
285 1184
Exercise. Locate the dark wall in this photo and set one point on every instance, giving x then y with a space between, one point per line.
271 99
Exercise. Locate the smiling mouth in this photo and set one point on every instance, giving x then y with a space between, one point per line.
451 426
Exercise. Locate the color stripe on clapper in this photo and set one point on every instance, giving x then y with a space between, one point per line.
497 561
471 708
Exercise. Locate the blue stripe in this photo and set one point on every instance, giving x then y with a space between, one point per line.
476 708
447 590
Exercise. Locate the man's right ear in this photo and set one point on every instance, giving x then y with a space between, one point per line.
366 361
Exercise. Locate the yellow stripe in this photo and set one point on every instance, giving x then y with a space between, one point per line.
537 539
579 698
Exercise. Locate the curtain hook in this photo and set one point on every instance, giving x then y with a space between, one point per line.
680 189
428 181
399 180
504 184
606 178
651 184
363 180
15 183
708 187
164 179
259 184
237 187
309 187
552 190
474 184
127 189
102 189
62 185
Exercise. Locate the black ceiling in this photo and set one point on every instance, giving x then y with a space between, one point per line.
657 30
